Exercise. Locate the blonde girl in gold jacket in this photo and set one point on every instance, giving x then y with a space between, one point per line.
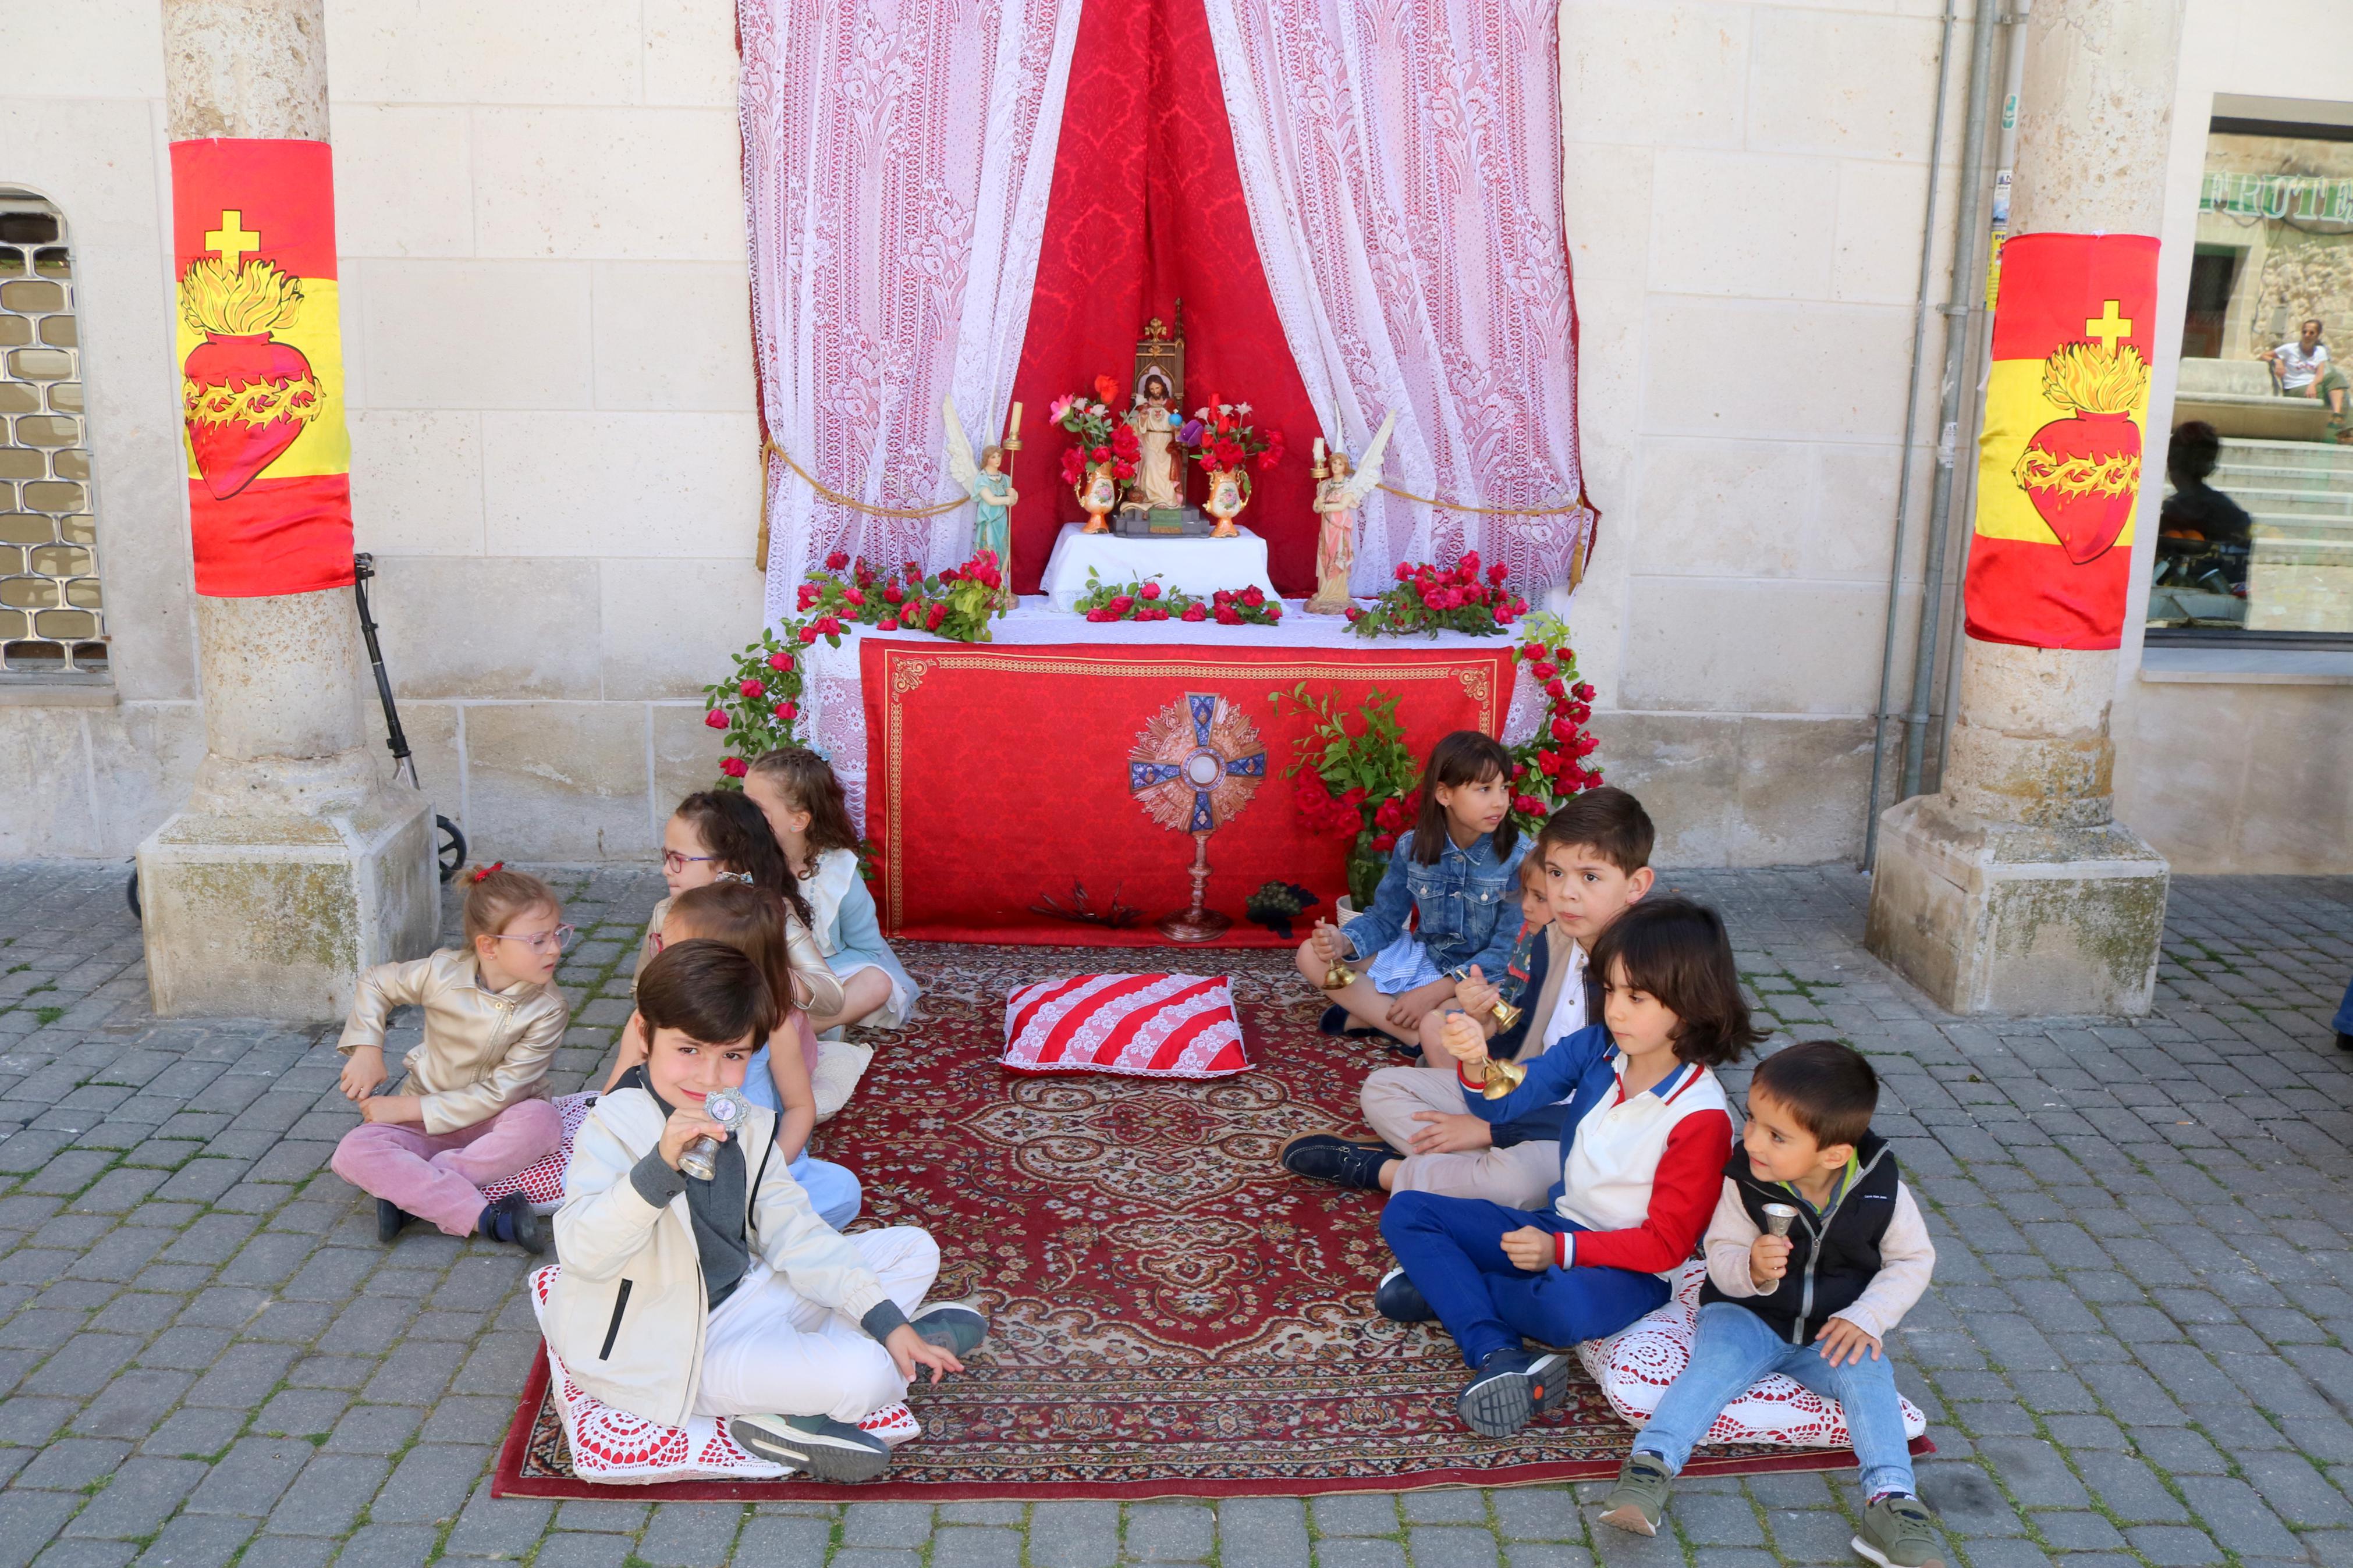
473 1107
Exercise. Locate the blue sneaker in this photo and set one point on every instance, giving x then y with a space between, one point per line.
1400 1300
1512 1388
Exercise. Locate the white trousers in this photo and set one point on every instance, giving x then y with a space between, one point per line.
1517 1177
768 1351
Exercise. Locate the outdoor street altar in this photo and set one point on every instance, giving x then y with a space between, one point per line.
998 782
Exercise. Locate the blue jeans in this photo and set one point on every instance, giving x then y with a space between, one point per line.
1734 1348
1452 1248
2345 1013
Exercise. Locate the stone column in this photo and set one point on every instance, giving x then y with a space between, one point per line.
296 861
2016 890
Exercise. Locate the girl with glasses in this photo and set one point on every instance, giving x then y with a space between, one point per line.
473 1107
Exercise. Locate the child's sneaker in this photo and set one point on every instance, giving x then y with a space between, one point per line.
1639 1500
1898 1531
391 1219
1328 1157
1514 1387
511 1220
828 1449
958 1330
1400 1300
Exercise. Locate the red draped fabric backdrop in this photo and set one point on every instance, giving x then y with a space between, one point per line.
1147 209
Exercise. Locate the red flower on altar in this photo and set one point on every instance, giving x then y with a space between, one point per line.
836 561
1120 604
780 661
886 624
808 633
1527 805
1383 842
1100 454
1106 389
1150 590
1229 454
1229 617
1504 614
787 709
716 718
1122 471
932 622
1498 573
1125 443
1534 650
733 767
752 688
1074 467
807 595
1194 613
893 594
1544 669
854 596
1584 691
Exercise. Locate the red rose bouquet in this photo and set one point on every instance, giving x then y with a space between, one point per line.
758 706
1356 779
1459 599
902 600
1148 601
1220 435
1551 767
1103 432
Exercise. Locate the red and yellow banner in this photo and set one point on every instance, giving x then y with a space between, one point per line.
2059 464
261 366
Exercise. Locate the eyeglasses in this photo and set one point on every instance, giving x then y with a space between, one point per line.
537 942
674 861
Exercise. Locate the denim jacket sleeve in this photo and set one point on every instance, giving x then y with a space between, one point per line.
1552 1077
1392 905
1493 958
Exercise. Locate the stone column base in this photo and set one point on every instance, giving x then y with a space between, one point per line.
2022 921
273 914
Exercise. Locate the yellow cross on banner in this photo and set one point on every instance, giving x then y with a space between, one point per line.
2107 326
233 239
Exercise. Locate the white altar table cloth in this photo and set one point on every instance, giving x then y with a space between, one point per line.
834 699
1198 566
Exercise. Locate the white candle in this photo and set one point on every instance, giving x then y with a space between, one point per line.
1319 451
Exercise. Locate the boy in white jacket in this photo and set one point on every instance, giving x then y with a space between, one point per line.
729 1298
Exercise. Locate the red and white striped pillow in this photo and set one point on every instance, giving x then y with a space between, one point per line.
1145 1026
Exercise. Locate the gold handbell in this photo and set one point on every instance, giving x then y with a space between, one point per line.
1502 1076
1339 977
1506 1015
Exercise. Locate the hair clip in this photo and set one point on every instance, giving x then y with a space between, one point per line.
743 877
482 873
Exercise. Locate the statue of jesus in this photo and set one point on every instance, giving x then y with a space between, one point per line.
1158 481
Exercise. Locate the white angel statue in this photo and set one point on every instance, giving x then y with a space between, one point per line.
993 495
1338 498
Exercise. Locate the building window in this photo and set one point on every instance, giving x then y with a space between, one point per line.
2255 542
52 614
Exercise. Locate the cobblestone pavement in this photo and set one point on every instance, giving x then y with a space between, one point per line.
2134 1350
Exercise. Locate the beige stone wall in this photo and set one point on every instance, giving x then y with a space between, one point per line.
554 442
1746 194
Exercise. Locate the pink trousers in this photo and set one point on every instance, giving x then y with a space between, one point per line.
441 1176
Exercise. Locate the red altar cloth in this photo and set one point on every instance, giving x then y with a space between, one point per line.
998 777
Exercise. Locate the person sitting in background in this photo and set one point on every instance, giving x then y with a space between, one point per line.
2203 536
2303 369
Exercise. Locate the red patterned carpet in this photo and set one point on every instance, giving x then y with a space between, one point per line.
1172 1315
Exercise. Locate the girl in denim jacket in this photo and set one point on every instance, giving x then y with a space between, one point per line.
1450 898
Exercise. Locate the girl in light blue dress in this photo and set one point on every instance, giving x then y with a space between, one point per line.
796 789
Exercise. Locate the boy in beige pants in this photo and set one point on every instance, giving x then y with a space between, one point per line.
1592 862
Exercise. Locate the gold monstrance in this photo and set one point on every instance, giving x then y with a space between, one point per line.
1195 766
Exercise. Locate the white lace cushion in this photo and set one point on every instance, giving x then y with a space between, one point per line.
1635 1364
542 1184
612 1446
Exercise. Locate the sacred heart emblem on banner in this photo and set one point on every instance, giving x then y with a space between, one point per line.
247 395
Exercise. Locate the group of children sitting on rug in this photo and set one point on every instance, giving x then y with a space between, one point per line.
1562 1209
736 1295
1556 1213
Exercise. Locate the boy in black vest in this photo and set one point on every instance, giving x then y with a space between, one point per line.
1813 1304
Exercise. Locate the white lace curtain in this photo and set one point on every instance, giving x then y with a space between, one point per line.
897 158
1402 161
